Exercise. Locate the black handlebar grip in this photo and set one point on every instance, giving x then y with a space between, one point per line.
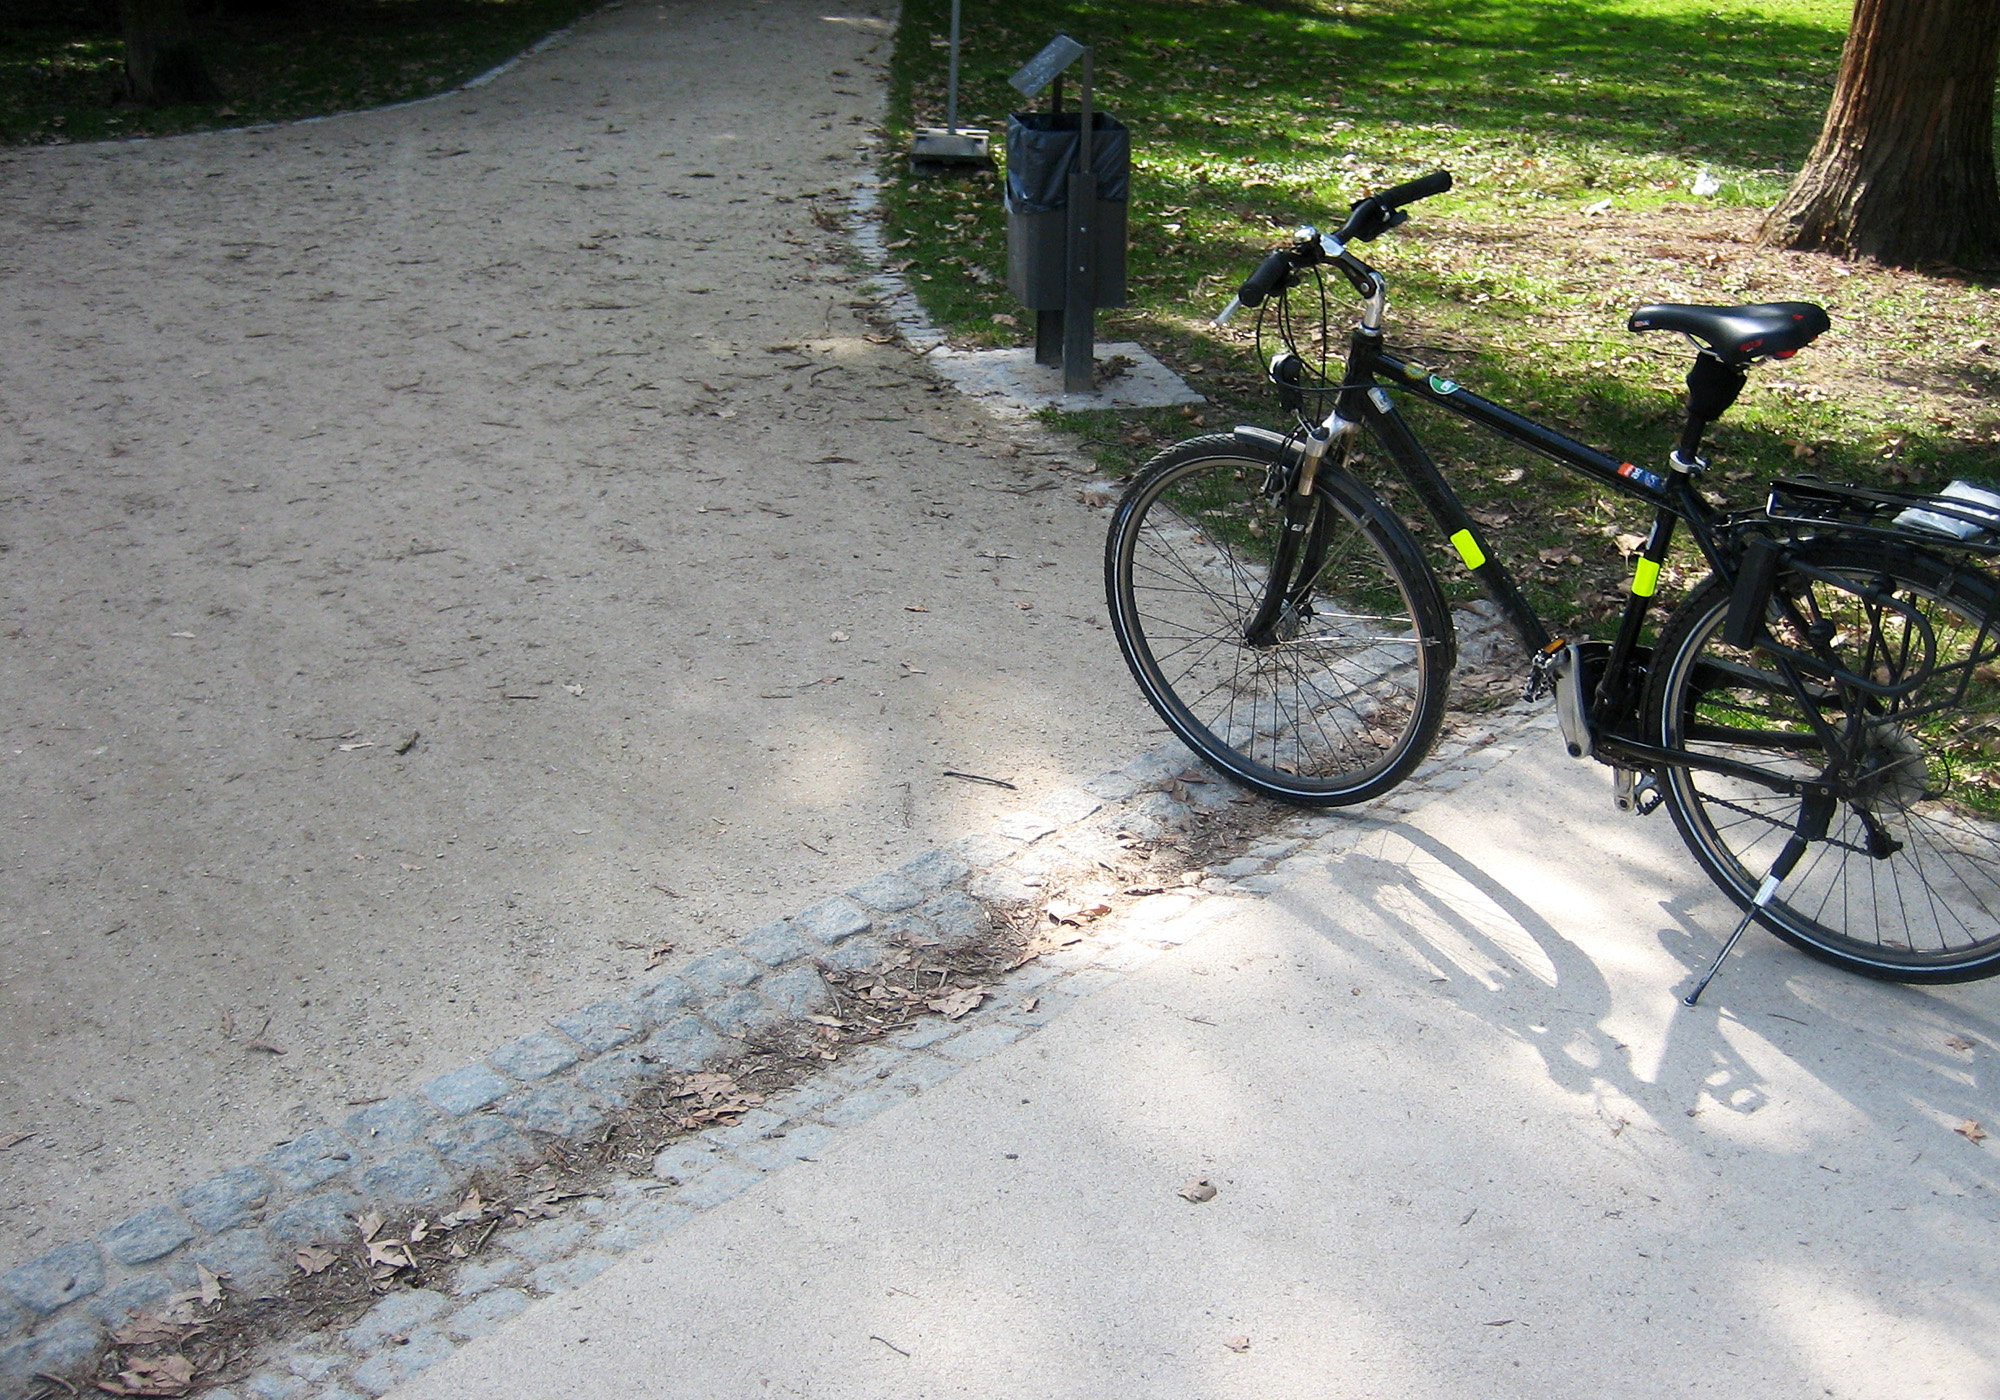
1269 276
1423 187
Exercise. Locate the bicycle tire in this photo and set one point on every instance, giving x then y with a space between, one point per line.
1927 911
1346 698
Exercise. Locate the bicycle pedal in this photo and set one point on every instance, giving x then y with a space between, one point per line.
1635 792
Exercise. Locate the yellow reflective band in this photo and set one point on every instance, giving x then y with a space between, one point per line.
1645 578
1468 549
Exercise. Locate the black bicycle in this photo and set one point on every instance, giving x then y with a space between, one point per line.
1821 714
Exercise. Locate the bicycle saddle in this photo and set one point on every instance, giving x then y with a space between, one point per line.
1736 335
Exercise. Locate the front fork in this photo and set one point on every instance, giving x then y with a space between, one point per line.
1301 536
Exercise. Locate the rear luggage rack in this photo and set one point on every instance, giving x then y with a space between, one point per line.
1957 518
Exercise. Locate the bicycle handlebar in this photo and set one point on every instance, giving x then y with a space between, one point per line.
1272 273
1410 191
1371 216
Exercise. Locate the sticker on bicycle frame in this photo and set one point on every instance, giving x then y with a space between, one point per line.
1441 385
1642 476
1380 398
1468 549
1645 579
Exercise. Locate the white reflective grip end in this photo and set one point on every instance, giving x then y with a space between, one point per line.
1228 312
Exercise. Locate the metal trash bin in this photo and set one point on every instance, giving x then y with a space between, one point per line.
1041 153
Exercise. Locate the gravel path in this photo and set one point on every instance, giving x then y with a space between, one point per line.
454 552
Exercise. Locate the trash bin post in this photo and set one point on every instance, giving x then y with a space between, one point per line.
1080 291
1068 179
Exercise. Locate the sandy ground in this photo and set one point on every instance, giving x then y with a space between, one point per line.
451 552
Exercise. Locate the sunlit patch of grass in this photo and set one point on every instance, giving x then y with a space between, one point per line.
1577 131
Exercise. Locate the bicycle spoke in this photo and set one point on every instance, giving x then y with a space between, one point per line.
1342 690
1906 882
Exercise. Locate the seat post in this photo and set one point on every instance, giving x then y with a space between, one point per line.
1712 388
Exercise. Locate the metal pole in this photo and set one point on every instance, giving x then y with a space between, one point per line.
951 88
1080 290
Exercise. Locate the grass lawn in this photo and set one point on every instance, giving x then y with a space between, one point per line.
1576 130
62 61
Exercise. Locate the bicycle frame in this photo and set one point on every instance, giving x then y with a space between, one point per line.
1364 398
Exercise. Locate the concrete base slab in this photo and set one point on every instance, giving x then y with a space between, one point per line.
950 145
1010 383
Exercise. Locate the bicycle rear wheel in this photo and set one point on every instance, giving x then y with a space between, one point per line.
1343 696
1906 885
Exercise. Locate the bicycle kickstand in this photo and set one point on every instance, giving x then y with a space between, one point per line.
1815 816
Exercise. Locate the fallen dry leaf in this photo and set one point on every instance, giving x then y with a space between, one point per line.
1957 1042
11 1138
158 1375
469 1209
392 1254
209 1283
1199 1190
708 1086
1030 1003
1971 1131
1237 1344
369 1223
146 1330
959 1002
314 1259
915 607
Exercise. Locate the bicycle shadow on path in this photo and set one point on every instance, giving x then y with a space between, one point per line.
1527 904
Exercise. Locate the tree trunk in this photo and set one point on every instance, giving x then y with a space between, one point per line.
1903 172
162 64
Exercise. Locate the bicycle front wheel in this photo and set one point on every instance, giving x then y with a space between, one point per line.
1341 693
1906 884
